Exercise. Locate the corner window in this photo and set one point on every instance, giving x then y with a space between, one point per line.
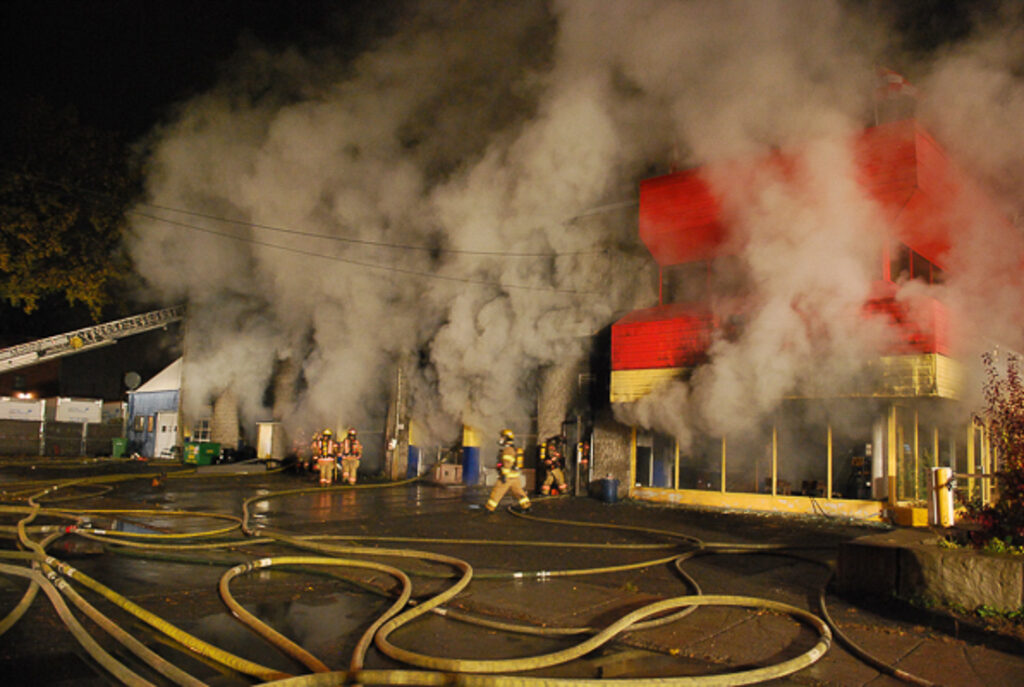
899 262
906 263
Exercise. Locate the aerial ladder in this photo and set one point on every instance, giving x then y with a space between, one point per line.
79 340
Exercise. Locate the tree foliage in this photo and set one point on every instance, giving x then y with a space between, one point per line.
63 191
1004 396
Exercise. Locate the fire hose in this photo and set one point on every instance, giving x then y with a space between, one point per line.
439 671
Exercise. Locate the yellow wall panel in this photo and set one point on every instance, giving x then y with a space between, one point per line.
632 385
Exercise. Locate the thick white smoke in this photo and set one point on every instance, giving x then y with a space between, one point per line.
436 191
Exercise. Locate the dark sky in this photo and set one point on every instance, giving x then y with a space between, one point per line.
120 63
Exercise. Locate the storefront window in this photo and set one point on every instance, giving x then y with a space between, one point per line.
792 457
802 457
748 462
700 465
655 460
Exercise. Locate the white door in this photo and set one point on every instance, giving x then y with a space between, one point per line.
166 433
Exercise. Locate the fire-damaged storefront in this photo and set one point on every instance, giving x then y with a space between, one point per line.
853 442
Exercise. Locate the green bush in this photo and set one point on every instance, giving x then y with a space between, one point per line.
1001 525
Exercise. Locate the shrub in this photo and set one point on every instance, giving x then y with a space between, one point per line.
1003 521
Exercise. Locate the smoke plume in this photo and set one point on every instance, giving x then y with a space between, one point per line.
456 198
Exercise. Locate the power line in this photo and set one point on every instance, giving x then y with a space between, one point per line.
358 263
387 244
344 239
388 268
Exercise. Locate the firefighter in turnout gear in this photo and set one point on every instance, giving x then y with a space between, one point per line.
554 461
325 452
510 460
351 452
583 461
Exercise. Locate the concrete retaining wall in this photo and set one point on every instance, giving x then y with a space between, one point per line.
909 564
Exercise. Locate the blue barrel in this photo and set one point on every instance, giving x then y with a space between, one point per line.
470 464
470 456
609 492
413 464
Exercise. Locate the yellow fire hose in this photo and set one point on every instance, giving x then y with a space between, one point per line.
293 649
100 655
191 642
439 670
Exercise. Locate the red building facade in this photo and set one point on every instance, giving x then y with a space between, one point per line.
702 298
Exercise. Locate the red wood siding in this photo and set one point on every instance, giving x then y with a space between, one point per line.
663 336
679 335
680 218
923 329
898 164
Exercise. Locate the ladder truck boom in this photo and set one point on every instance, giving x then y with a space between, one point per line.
79 340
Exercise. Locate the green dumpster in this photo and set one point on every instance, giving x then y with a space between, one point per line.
201 453
118 447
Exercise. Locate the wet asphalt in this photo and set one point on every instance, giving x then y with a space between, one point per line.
325 612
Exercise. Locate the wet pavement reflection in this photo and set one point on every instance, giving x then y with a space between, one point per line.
325 610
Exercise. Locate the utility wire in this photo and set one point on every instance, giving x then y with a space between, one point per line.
386 244
298 232
358 263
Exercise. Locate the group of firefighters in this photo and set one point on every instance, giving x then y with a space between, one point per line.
552 457
331 455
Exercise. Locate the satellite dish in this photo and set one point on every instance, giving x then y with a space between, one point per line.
132 380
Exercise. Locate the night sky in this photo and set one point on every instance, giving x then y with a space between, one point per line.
122 63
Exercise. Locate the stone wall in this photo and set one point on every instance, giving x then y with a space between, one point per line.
611 452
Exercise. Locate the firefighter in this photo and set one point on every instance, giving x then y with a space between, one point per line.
351 452
314 442
554 462
325 451
510 460
583 460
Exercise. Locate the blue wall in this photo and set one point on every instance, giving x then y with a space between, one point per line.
147 403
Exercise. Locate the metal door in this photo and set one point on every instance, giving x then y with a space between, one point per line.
166 433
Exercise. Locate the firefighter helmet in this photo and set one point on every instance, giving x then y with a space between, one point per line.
327 433
351 431
507 437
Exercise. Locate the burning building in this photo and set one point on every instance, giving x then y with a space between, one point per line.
878 395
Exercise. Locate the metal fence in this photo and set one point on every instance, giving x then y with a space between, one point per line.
52 438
